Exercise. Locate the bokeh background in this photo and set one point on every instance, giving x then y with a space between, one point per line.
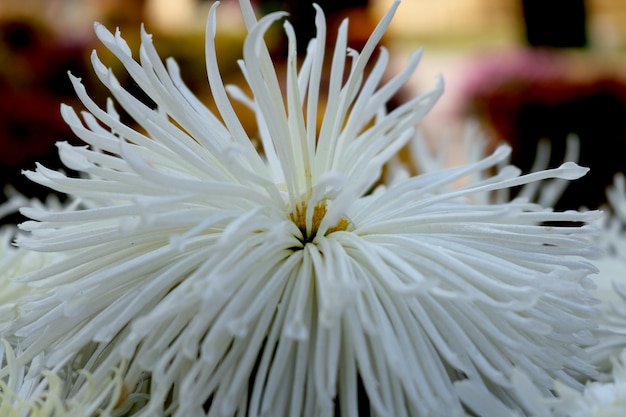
521 69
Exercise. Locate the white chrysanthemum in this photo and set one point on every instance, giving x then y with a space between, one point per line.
278 284
15 262
10 262
44 394
599 399
611 279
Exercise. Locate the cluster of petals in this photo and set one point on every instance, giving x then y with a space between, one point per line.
33 392
611 280
598 399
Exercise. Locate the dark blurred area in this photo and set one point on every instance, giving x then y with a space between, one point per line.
555 23
33 83
41 41
301 16
555 87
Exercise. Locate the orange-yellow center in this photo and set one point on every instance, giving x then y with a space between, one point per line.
298 216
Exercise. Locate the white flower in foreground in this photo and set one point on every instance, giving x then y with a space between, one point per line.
278 284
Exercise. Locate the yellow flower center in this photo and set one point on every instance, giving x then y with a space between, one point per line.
298 216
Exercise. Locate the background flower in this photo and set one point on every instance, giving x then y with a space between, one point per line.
611 279
37 393
15 261
599 399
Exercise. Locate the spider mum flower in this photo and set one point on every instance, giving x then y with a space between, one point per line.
11 262
611 279
44 394
15 262
599 399
279 283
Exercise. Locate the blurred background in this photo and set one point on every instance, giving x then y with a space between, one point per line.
523 69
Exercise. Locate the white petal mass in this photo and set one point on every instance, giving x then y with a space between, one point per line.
598 399
37 393
16 262
611 280
284 282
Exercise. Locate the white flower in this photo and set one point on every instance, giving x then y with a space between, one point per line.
599 399
277 283
10 261
44 394
611 279
15 262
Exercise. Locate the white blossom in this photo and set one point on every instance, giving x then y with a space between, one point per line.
36 393
278 283
15 261
599 399
611 279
